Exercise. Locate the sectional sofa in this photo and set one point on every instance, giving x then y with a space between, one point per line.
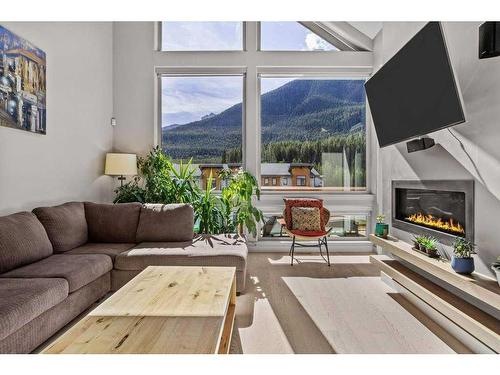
56 262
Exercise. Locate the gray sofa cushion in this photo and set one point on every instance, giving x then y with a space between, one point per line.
110 249
23 240
22 300
112 222
218 251
165 223
66 225
39 330
78 270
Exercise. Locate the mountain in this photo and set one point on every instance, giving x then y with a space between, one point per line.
301 110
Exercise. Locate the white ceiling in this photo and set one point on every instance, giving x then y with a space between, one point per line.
369 28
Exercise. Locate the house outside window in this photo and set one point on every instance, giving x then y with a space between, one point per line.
301 180
274 181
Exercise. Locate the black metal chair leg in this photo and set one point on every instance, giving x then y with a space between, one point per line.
292 249
320 249
327 253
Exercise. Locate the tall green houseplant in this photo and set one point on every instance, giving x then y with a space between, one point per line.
228 211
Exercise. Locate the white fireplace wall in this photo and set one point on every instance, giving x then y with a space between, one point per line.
479 159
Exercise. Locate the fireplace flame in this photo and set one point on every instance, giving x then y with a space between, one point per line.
431 221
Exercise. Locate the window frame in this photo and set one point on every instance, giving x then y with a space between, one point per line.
319 73
254 64
204 72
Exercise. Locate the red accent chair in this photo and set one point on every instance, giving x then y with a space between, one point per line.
320 236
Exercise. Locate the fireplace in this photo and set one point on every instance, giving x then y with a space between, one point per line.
441 208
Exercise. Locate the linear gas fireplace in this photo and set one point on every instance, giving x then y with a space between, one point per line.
441 208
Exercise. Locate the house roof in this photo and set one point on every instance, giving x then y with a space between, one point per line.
267 169
275 169
283 169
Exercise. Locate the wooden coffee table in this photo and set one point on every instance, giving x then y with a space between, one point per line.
162 310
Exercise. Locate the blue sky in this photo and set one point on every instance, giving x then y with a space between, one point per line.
187 99
201 36
290 36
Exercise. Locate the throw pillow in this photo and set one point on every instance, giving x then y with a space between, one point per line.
306 219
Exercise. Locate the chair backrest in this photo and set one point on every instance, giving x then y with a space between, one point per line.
305 202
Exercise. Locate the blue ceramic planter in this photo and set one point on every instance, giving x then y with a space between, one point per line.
462 265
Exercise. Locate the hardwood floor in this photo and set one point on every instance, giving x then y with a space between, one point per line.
313 308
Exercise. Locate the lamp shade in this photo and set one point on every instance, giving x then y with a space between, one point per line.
121 164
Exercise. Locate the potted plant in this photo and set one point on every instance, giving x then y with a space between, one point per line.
428 245
496 267
462 261
232 210
381 228
417 240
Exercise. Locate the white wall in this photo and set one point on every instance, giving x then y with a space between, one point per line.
134 80
68 162
479 81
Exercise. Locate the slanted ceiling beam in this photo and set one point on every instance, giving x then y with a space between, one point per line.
342 35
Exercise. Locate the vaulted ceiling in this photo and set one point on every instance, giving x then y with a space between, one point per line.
347 36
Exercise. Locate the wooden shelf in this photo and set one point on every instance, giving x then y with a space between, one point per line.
477 323
481 287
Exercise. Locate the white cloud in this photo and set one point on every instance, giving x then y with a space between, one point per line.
314 42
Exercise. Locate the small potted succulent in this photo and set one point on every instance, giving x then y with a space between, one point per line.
462 260
381 228
417 240
426 244
496 267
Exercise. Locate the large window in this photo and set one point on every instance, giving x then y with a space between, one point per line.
288 113
291 36
202 118
313 133
201 36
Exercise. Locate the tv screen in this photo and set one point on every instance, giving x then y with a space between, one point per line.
415 92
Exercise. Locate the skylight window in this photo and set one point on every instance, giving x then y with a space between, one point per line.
291 36
201 36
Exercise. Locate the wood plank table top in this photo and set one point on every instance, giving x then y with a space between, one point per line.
162 310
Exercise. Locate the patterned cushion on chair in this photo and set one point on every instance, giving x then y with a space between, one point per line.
302 202
306 219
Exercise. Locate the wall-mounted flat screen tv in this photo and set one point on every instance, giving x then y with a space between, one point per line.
415 92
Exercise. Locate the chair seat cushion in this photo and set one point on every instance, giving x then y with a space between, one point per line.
110 249
216 251
78 270
22 300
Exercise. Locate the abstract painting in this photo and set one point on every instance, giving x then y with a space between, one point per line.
22 84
